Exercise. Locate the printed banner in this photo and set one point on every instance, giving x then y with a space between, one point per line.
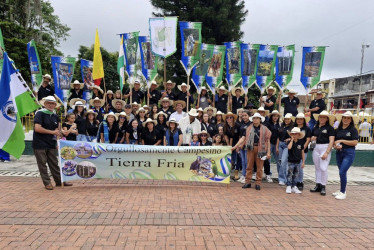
86 71
249 54
130 43
265 65
215 71
200 71
35 66
2 50
312 66
149 59
191 40
233 69
284 65
63 71
163 32
85 160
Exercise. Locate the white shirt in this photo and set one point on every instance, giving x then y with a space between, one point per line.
188 129
365 129
178 116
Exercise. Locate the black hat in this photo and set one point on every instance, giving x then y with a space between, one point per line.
249 106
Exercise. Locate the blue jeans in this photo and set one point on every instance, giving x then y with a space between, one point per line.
300 178
81 137
243 156
282 162
312 123
235 159
344 159
267 162
292 173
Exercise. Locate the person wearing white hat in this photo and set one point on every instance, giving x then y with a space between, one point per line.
346 140
136 93
45 89
108 129
161 119
92 125
168 92
316 107
108 97
189 126
150 136
122 123
97 106
184 94
295 156
221 99
203 99
118 105
153 94
97 92
179 113
238 99
46 132
76 90
323 136
173 135
291 102
79 106
269 100
257 142
167 106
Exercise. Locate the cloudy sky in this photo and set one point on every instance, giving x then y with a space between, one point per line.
343 25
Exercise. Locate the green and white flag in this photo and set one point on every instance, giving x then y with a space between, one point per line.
35 66
16 100
121 65
163 33
2 49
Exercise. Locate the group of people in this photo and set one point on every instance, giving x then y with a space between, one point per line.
175 119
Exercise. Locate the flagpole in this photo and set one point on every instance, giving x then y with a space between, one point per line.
165 73
188 91
148 95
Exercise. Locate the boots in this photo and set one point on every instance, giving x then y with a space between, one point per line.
236 175
316 189
323 190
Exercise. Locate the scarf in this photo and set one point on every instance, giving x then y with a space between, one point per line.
252 133
48 112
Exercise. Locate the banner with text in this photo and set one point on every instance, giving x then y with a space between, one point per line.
85 160
312 66
35 66
249 53
233 69
265 65
190 40
284 65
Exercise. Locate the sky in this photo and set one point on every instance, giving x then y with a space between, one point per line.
342 25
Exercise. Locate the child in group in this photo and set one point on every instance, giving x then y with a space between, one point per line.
218 140
69 128
195 140
295 155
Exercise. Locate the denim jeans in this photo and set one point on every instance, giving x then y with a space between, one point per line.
344 159
312 123
267 162
282 162
292 173
243 156
81 137
300 178
235 160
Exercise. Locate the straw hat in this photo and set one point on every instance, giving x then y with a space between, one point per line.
180 102
172 83
258 116
300 115
98 88
274 112
211 108
165 99
79 104
221 88
136 104
355 118
146 107
172 120
203 88
200 110
291 91
110 114
76 82
90 111
230 114
271 88
49 99
233 91
183 84
92 101
193 112
73 102
261 109
204 132
148 121
141 110
154 83
297 130
238 110
122 114
220 113
161 113
325 113
48 76
109 92
114 101
288 115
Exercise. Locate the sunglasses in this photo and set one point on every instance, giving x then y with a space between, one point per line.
122 117
230 117
203 135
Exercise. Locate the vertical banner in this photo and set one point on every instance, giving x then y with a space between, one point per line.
265 65
312 66
190 40
233 69
284 65
249 54
2 50
121 65
149 59
215 70
200 71
130 43
35 66
63 71
163 32
87 79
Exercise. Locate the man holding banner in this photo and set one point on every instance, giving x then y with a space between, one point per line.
45 88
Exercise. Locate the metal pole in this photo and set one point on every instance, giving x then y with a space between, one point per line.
362 64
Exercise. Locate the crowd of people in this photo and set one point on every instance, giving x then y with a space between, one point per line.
256 135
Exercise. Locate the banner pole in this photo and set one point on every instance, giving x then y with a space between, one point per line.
104 85
165 73
147 95
188 91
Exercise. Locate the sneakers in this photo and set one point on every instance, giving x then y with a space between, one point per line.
254 176
5 161
282 183
288 190
341 196
268 178
241 179
336 193
296 190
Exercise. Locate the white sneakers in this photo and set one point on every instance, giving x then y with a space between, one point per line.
254 176
290 190
339 195
282 183
268 178
242 179
336 193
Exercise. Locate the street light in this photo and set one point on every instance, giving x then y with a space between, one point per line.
362 64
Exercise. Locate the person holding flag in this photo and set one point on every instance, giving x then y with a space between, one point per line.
45 88
269 100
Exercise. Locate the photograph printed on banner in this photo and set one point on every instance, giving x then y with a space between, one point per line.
65 75
249 59
86 169
233 56
34 66
215 65
87 76
312 64
191 41
285 60
131 50
148 56
1 53
265 61
202 67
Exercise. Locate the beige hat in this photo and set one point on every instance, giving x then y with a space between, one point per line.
291 91
180 102
92 101
48 76
238 110
221 88
122 114
274 112
262 110
233 91
325 113
355 118
110 114
183 84
300 115
114 101
136 104
297 130
204 132
74 102
172 120
219 113
211 108
161 113
166 99
154 83
271 88
98 88
200 110
203 88
230 114
288 115
49 99
193 112
149 120
90 111
141 110
109 92
258 116
170 82
76 82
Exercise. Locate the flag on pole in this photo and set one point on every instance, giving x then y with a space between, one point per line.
200 71
284 65
149 60
233 69
215 70
63 71
163 33
121 65
98 68
2 49
35 66
312 66
265 65
190 40
249 54
16 100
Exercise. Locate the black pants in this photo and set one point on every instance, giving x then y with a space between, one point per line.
267 167
44 156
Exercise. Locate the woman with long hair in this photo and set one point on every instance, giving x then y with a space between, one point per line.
161 126
92 125
133 133
153 112
208 126
108 129
173 135
80 119
150 135
122 126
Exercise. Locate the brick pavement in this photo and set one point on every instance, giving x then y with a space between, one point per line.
105 214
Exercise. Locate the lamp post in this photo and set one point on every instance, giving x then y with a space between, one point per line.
362 64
